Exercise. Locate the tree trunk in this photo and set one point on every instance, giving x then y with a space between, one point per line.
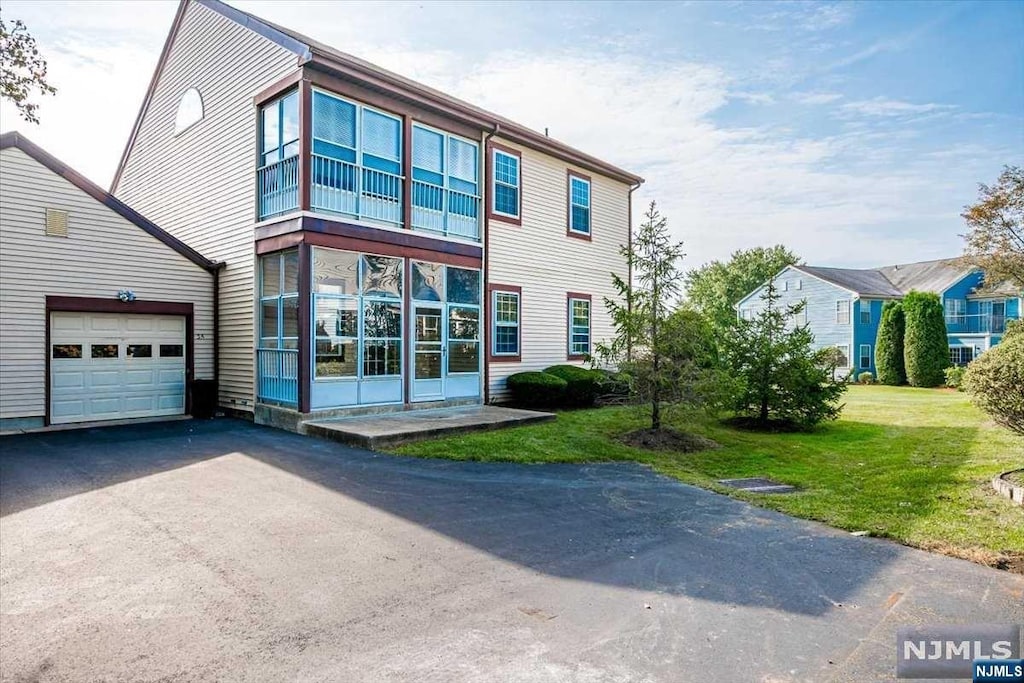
764 409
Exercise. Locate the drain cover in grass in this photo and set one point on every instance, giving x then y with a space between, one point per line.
758 485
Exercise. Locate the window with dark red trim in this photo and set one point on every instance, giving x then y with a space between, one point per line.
578 322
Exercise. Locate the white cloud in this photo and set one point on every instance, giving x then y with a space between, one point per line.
882 106
847 198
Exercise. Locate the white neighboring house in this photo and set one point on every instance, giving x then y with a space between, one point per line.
103 315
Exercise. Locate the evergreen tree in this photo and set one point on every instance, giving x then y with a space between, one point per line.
889 345
925 345
783 382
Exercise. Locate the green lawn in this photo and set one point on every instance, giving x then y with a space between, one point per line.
908 464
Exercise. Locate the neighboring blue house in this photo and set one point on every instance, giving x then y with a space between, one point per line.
844 305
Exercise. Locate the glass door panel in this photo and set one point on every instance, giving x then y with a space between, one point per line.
428 351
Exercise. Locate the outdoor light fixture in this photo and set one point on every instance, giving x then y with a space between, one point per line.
126 295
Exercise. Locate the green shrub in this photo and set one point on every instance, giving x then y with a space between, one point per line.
995 381
582 385
613 385
866 378
536 389
889 345
955 377
925 345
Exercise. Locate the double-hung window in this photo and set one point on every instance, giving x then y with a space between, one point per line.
955 311
579 205
843 312
800 315
579 326
844 355
505 195
505 305
865 356
865 312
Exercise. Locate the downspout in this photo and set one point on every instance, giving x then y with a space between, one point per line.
216 332
629 267
486 246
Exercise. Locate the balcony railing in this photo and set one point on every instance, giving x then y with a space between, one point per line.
278 375
278 186
445 211
978 323
343 187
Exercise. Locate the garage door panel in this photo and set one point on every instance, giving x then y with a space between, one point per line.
68 379
127 376
135 378
104 378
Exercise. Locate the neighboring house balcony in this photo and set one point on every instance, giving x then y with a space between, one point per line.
366 165
978 323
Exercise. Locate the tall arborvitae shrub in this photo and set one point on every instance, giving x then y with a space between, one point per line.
889 345
925 346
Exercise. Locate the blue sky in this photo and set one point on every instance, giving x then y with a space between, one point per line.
851 132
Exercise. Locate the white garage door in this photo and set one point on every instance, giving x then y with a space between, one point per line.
106 366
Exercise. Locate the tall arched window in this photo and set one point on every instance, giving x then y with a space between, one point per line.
190 110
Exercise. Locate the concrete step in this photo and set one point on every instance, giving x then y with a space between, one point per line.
384 430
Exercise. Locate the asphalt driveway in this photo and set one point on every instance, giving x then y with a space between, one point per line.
220 550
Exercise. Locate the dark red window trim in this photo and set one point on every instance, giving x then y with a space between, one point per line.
569 296
569 175
503 358
491 147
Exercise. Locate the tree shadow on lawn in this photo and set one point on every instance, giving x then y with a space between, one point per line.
611 524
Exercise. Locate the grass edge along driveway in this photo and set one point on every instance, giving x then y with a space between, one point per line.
912 465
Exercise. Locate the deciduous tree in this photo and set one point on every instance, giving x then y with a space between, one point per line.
995 240
715 288
22 69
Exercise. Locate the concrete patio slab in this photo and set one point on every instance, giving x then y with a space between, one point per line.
381 431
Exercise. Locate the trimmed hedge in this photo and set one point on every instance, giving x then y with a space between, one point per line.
889 345
866 378
583 385
925 345
537 389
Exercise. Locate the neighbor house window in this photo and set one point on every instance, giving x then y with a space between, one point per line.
800 317
190 110
844 355
279 300
843 312
865 312
579 205
505 195
579 326
955 311
961 355
506 323
865 356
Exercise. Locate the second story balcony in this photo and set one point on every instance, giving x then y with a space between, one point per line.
978 323
356 159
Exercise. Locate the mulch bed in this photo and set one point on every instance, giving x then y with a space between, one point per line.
666 439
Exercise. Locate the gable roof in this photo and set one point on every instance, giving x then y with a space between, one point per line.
310 51
15 139
863 282
926 276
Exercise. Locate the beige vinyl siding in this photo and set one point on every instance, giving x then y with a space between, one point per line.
102 254
539 257
200 185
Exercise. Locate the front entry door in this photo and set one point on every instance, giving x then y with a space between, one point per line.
428 353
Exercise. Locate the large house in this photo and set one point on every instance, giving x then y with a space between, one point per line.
843 306
384 243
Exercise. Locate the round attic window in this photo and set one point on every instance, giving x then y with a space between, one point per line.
190 110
